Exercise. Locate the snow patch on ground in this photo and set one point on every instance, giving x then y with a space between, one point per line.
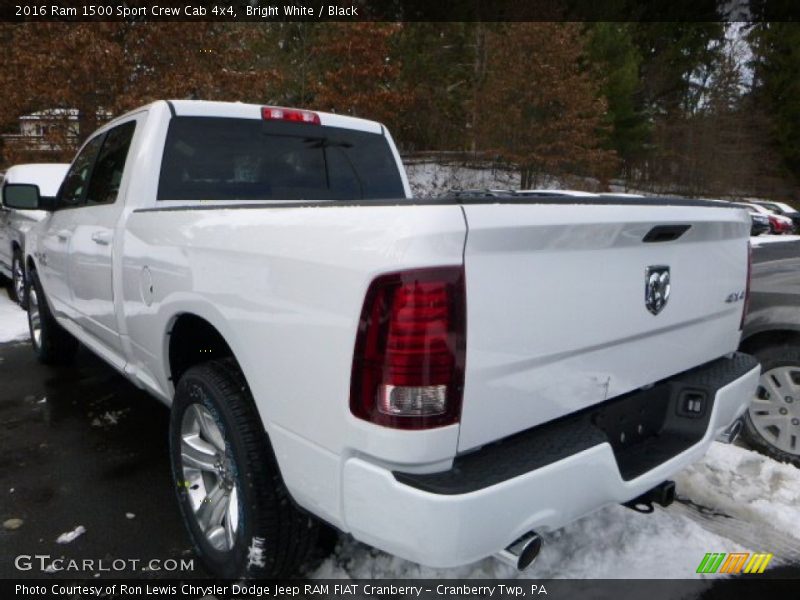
109 417
13 320
746 485
255 553
614 542
618 543
71 536
429 179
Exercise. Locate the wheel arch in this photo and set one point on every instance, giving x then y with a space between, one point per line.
782 335
197 332
30 264
191 339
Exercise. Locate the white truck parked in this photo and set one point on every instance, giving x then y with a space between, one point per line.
443 379
14 223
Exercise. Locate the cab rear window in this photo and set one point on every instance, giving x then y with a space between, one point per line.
209 158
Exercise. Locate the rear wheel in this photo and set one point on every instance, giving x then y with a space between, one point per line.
772 423
234 503
53 344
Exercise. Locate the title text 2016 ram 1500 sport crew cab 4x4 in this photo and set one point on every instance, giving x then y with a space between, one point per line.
438 378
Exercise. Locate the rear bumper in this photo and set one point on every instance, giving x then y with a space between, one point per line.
491 497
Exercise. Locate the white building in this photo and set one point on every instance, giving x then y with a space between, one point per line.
47 130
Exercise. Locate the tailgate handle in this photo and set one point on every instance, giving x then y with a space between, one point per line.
665 233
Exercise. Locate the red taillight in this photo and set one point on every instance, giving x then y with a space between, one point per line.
408 365
746 306
276 113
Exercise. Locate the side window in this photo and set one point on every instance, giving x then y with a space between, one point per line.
107 174
74 187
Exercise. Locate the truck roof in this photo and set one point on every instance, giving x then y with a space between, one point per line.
241 110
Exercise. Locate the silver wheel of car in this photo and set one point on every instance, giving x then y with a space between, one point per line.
775 411
18 279
34 317
210 477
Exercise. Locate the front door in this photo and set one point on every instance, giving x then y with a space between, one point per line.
53 262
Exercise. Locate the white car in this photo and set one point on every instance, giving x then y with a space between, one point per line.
779 207
443 379
14 223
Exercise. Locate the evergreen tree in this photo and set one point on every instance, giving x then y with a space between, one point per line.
611 52
776 85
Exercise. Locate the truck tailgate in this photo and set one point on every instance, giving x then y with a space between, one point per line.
557 318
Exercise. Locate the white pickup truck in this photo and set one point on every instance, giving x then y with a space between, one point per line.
15 222
444 379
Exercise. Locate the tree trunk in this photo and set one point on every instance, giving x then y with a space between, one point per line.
479 68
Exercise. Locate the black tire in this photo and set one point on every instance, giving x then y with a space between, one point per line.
268 518
17 287
55 345
772 357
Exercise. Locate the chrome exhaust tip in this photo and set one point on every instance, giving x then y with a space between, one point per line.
521 553
731 433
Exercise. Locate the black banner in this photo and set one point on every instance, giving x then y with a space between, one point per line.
399 10
771 586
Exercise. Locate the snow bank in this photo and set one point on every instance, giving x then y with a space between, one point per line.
746 485
433 179
13 320
255 553
612 543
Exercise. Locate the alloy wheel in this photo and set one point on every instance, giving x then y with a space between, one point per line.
209 475
18 276
34 318
775 411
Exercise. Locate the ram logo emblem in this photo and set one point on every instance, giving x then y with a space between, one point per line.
656 288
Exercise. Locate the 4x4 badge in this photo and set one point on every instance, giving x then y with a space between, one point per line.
656 288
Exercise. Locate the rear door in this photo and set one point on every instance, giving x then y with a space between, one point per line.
563 308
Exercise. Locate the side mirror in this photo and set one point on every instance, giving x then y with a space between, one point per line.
24 196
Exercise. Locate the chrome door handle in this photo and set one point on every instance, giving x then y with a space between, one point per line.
63 235
101 237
